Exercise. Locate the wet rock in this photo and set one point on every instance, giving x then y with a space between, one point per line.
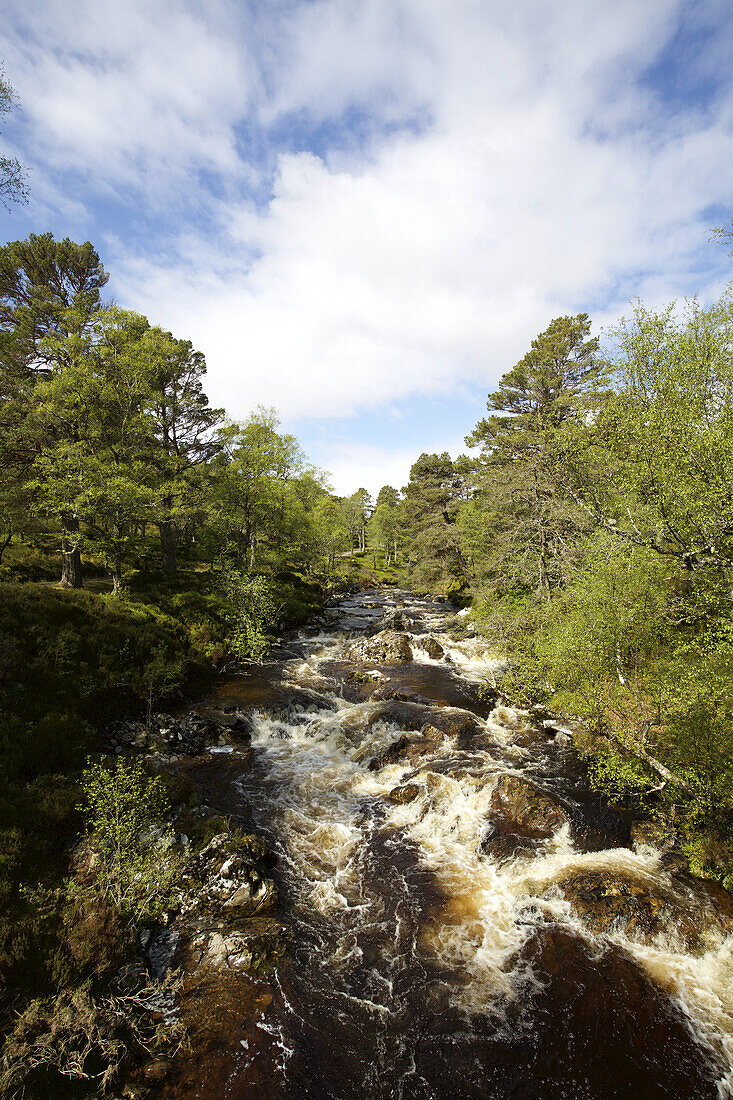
597 1026
387 647
408 792
649 834
455 723
522 816
711 896
231 870
409 749
257 947
185 735
409 713
157 1070
393 620
237 727
520 805
693 913
432 647
389 693
608 902
363 677
390 755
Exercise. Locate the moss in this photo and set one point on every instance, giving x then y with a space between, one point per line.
69 661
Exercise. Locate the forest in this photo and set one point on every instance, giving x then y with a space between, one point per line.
590 528
149 541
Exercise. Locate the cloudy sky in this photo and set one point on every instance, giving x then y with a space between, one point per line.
362 211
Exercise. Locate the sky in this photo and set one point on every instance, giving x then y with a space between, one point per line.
363 211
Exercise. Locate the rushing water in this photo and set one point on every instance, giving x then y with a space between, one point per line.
423 965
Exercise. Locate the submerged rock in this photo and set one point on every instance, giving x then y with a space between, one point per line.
597 1026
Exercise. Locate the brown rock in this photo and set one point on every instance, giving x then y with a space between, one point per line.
408 792
615 903
259 945
388 647
525 808
693 910
432 647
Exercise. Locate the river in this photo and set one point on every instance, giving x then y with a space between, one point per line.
434 954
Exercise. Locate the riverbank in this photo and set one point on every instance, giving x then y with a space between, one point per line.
393 884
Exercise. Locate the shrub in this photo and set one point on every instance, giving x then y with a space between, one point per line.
252 612
132 860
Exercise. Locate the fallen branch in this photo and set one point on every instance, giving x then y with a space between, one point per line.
651 762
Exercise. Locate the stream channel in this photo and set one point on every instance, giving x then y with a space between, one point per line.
466 917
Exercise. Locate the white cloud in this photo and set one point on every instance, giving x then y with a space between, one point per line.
542 178
363 465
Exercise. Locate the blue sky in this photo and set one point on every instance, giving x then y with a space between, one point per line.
362 211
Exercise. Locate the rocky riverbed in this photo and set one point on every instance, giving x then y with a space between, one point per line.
402 888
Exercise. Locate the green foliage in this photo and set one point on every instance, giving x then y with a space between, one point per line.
13 186
617 775
252 611
599 531
133 861
432 500
521 528
69 661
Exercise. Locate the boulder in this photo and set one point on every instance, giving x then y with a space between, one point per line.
393 620
408 792
231 872
388 647
456 723
256 947
432 647
521 806
694 912
408 749
522 816
389 693
608 902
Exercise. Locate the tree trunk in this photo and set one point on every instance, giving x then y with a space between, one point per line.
70 554
117 577
168 540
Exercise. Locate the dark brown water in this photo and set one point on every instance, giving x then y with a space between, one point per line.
422 965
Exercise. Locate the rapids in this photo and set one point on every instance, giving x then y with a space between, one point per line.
426 963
